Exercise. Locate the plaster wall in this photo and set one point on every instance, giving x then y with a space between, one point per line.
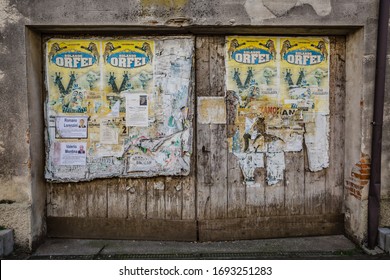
23 22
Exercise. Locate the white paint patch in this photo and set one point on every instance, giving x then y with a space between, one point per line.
211 110
275 167
257 11
158 186
317 143
279 8
293 143
8 14
1 75
322 7
248 164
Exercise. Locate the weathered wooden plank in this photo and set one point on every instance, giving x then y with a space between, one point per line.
119 228
97 198
189 198
67 200
117 199
136 198
202 56
255 195
295 183
212 171
274 193
173 198
155 198
236 189
218 166
204 179
274 200
335 174
314 190
211 138
270 227
217 66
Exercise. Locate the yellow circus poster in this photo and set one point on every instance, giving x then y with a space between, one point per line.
253 85
304 66
105 116
275 87
73 71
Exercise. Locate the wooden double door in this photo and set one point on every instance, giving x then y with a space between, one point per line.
213 202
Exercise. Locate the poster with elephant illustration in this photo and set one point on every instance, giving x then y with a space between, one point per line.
95 82
277 99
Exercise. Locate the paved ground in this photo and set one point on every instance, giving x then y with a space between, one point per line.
323 247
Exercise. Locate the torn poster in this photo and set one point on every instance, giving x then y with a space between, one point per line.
276 88
129 92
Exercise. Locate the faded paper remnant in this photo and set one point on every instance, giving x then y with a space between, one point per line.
317 143
275 167
211 110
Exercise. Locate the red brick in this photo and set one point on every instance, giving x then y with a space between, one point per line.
365 171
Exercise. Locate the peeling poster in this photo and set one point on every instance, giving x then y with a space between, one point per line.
126 101
277 99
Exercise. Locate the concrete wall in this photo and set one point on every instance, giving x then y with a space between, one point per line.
21 132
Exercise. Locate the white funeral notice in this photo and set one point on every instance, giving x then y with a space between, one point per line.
72 127
137 109
68 153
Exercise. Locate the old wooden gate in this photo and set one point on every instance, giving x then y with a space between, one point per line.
213 202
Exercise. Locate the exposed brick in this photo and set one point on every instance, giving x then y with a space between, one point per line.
363 166
365 171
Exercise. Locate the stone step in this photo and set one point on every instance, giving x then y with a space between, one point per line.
6 242
384 239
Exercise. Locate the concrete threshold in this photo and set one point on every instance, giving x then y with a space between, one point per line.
319 247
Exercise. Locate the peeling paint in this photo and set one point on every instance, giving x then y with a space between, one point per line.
211 110
275 167
317 143
248 164
280 7
257 11
8 14
1 75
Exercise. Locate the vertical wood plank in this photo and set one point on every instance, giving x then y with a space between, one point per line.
97 199
217 66
202 66
274 199
255 196
211 138
68 200
117 199
236 189
204 180
335 174
314 190
136 198
218 166
189 199
295 183
173 198
155 198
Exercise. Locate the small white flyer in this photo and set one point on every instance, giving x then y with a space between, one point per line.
137 109
108 132
71 127
68 153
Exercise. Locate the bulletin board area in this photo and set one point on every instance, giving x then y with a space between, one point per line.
118 107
